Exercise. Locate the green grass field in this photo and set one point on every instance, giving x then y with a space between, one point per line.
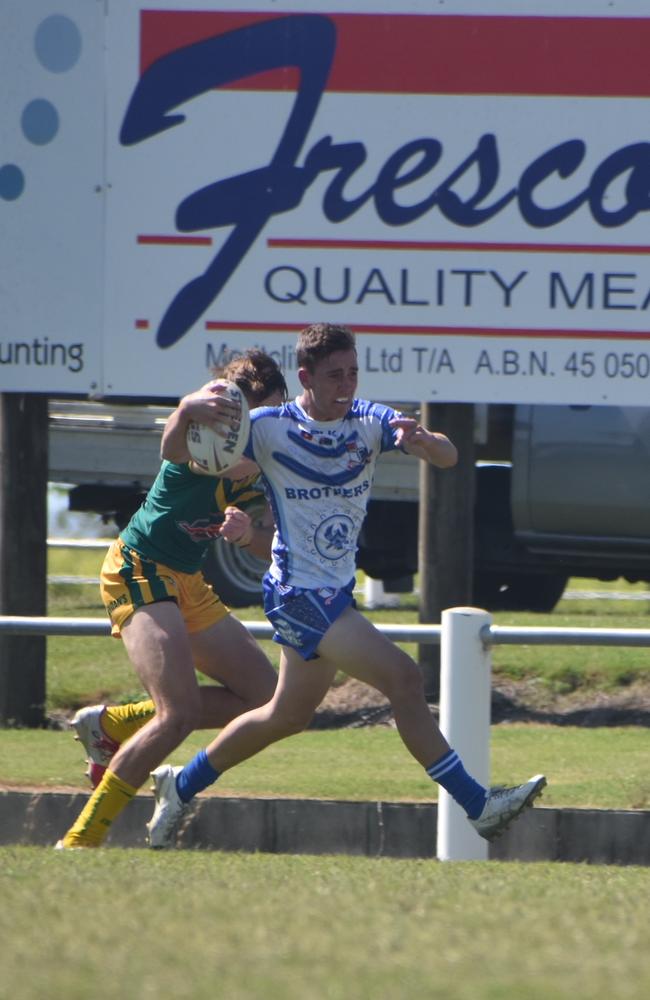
199 925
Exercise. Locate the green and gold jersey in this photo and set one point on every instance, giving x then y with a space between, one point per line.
182 512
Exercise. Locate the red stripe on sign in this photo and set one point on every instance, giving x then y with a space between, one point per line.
145 239
444 54
316 244
268 327
452 331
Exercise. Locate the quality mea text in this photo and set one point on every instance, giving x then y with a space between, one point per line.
465 287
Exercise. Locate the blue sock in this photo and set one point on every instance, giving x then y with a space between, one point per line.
195 776
450 773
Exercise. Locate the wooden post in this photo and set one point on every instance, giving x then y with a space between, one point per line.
446 529
23 553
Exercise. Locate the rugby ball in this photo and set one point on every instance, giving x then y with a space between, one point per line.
212 453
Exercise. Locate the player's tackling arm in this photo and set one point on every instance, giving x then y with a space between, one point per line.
240 530
173 445
205 406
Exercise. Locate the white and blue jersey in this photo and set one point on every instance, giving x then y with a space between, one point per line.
317 478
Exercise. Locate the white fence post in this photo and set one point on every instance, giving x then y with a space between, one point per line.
465 695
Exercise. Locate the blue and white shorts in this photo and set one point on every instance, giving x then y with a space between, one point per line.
301 617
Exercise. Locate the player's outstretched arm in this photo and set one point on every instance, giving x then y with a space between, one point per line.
430 446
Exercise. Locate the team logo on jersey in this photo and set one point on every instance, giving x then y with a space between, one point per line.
334 537
358 454
201 530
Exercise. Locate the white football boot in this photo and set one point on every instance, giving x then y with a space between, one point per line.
169 809
505 804
99 747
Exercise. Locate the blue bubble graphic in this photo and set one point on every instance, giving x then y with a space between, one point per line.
57 43
12 182
40 121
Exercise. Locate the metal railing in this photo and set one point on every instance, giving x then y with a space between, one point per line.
510 635
490 635
24 625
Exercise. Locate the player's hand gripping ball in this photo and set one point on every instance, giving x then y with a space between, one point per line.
214 451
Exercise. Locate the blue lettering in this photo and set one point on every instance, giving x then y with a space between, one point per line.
563 160
558 287
390 178
636 160
375 284
346 158
318 288
610 290
291 289
465 213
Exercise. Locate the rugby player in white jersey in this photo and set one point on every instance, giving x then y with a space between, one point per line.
317 456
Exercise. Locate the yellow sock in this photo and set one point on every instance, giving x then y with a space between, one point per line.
122 721
95 819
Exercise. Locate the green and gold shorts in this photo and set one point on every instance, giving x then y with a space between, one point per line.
128 581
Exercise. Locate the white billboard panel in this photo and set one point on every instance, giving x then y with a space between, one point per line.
466 187
52 135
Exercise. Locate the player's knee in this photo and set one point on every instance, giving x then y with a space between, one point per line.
181 719
298 723
294 726
407 683
290 722
263 691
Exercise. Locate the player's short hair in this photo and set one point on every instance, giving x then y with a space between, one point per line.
319 340
256 373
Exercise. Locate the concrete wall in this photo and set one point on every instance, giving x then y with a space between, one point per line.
305 826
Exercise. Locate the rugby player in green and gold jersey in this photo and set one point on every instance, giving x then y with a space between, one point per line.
169 618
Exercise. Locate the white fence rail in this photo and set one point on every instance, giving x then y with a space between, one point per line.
79 543
466 637
24 625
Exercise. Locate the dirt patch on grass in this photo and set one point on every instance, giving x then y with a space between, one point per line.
355 704
532 701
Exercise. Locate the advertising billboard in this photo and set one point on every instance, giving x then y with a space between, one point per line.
464 184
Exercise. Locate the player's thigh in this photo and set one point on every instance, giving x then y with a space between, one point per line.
158 646
358 649
302 684
227 652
